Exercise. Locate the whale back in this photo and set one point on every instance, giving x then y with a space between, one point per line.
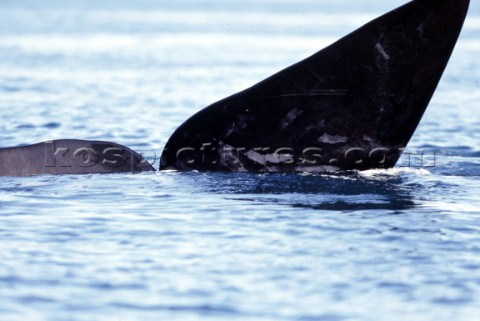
70 156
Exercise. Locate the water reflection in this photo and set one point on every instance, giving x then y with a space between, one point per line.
342 192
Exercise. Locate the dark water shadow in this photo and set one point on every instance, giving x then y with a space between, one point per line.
350 191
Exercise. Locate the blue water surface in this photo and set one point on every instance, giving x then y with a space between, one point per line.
399 244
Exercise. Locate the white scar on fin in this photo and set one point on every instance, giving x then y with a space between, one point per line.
329 139
291 116
382 51
268 158
228 157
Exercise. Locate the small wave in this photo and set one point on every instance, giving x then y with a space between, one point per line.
397 171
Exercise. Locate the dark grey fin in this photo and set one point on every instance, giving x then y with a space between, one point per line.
70 156
353 105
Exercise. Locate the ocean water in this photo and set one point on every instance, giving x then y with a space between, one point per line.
399 244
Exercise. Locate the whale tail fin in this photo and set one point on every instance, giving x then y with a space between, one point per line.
70 156
353 105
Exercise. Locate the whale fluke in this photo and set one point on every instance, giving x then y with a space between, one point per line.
353 105
70 156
